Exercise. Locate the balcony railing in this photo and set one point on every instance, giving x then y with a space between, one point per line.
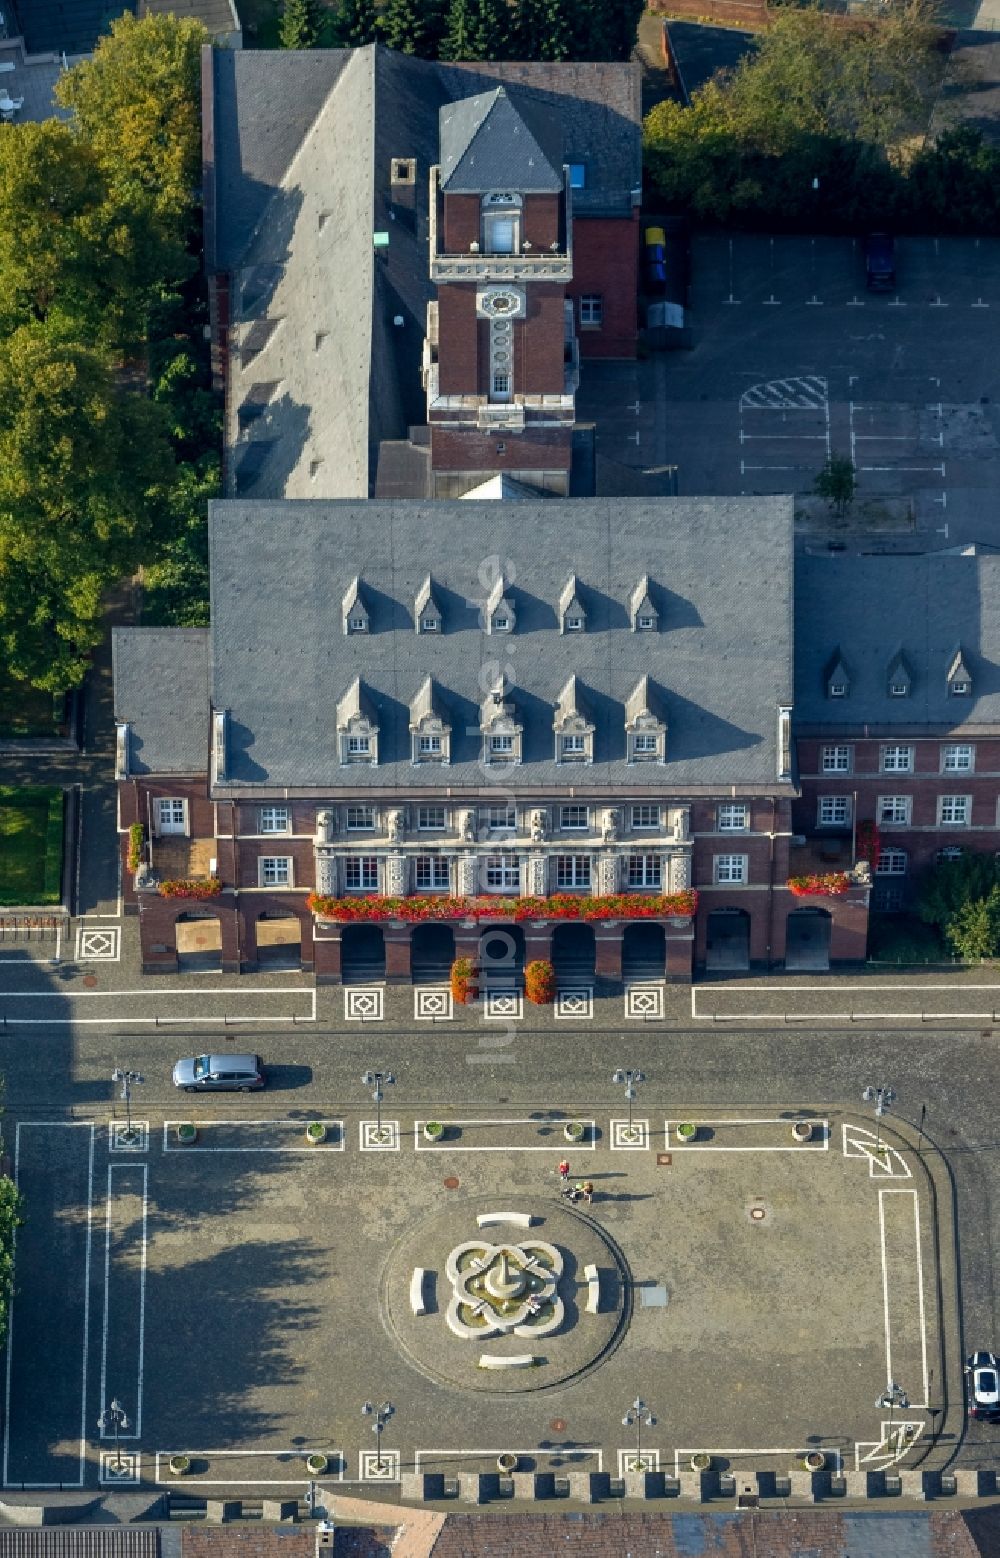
530 265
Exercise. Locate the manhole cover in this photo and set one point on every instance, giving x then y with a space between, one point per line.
664 1159
90 980
558 1425
757 1214
452 1182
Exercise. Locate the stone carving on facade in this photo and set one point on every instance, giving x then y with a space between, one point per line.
682 824
610 825
467 826
862 873
326 872
326 827
537 885
395 876
396 824
539 826
607 873
466 875
679 872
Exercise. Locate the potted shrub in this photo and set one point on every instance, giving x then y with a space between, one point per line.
464 981
687 1131
802 1130
315 1132
179 1464
540 982
507 1463
433 1130
574 1130
701 1461
316 1464
814 1460
187 1134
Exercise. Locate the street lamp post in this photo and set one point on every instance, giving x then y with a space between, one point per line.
381 1411
378 1081
892 1396
630 1080
883 1098
114 1416
128 1079
635 1417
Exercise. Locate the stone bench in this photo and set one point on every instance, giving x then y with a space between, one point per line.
523 1360
520 1219
417 1303
593 1289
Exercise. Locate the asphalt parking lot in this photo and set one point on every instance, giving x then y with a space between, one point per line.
792 358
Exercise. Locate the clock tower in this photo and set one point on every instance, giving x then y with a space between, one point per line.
501 361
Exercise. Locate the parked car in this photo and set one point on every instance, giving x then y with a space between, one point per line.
220 1074
984 1386
880 262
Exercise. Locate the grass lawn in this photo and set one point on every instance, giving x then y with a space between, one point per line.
27 711
31 838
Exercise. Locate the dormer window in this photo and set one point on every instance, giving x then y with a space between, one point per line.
359 746
959 677
572 613
357 726
426 611
357 624
642 608
838 689
501 624
645 724
898 689
645 623
573 726
429 746
354 608
430 624
837 677
960 689
499 612
899 676
430 726
500 728
644 744
574 624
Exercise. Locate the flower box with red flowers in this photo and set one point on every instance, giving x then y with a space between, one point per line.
560 906
207 887
869 844
829 884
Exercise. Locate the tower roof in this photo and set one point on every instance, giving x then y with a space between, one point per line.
494 141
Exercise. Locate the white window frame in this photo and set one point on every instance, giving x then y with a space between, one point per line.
357 624
837 689
952 750
574 624
572 871
899 689
896 759
645 623
360 809
902 804
645 743
836 759
574 827
177 825
573 747
429 746
954 804
437 868
489 815
730 870
267 819
592 310
892 862
365 868
728 813
502 873
640 823
358 746
960 689
643 871
423 826
430 624
833 811
279 868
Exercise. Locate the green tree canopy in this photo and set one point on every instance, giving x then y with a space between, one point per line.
301 24
356 23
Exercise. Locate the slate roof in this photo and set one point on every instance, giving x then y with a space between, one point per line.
721 661
491 141
869 610
161 689
74 26
297 151
219 16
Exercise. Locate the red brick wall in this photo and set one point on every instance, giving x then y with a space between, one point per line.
458 335
541 220
544 449
539 342
606 260
461 222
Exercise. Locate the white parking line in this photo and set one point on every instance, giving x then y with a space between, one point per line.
770 1450
560 1146
706 1146
916 1405
298 1454
158 1020
574 1451
137 1416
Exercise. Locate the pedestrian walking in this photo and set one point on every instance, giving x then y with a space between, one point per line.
587 1190
564 1170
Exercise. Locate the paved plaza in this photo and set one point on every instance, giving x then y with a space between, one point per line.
244 1296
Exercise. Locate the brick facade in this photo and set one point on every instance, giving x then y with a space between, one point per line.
606 263
536 449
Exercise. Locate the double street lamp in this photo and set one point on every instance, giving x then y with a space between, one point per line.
638 1416
893 1396
629 1079
128 1079
378 1081
883 1098
114 1417
381 1411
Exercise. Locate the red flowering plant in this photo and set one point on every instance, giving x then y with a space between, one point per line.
560 906
829 884
540 982
464 983
869 843
205 887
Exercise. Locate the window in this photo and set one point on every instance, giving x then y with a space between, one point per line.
834 810
429 624
500 819
955 810
957 758
502 746
429 746
172 815
275 871
501 384
645 623
836 760
894 809
897 760
432 872
573 624
838 689
573 746
953 852
891 862
573 817
643 870
274 819
357 624
361 872
642 746
572 870
430 817
501 234
734 817
645 816
359 817
961 689
359 746
501 625
898 689
592 310
730 868
887 897
503 873
578 175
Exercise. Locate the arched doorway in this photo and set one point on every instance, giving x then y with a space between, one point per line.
432 952
279 939
573 953
501 956
198 940
644 952
727 950
362 954
807 940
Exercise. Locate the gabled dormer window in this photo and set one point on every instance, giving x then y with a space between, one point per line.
500 614
430 726
959 676
642 608
837 678
426 611
645 724
572 613
500 727
900 679
572 726
355 611
357 727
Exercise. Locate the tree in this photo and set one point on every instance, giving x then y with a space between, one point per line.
476 30
414 26
952 884
974 932
837 483
356 23
606 29
300 25
545 30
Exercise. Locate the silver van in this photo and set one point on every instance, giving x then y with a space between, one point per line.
220 1074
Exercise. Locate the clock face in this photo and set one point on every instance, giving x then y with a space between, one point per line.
501 302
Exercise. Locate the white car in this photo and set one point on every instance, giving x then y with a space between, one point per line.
984 1385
